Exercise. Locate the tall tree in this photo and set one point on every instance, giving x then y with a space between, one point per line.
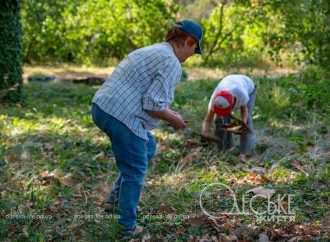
10 51
306 22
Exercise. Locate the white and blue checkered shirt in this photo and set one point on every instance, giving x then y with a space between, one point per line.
144 80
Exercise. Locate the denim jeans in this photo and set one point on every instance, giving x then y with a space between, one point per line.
248 140
132 155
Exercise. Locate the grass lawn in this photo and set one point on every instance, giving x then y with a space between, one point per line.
56 168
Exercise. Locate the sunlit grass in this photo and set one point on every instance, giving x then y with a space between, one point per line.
52 131
283 175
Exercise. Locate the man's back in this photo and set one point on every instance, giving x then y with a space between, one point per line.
136 81
239 85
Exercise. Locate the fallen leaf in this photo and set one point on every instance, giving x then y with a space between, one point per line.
325 225
263 238
258 170
67 180
25 231
25 155
191 143
244 232
57 173
230 238
274 166
100 155
298 165
164 209
195 154
296 238
251 178
196 221
100 191
48 146
146 237
264 192
78 188
44 174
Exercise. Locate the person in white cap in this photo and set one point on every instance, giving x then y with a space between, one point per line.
232 92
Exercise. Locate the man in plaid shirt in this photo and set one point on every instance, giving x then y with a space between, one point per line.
132 101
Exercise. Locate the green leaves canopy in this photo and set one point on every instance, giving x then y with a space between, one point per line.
92 31
239 32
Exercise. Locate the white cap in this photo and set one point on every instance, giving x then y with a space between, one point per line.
221 102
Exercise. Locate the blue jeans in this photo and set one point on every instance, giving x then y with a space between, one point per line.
132 154
248 140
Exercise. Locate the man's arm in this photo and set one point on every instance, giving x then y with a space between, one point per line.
244 114
207 123
170 116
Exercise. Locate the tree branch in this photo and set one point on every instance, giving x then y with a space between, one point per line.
219 33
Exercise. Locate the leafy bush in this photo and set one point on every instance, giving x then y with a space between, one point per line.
253 32
92 32
244 33
294 96
305 26
315 82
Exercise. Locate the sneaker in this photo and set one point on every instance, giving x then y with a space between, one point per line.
247 158
111 208
243 158
137 230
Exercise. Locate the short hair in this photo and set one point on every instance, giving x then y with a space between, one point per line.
178 36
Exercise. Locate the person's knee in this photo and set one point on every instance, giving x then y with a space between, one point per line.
135 178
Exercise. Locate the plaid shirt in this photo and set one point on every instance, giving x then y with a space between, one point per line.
145 80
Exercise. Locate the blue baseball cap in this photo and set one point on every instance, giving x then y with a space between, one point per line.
194 29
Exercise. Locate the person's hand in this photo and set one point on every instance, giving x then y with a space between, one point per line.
205 133
205 129
171 117
177 121
244 122
173 112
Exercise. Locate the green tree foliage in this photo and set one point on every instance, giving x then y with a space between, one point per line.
232 32
306 24
44 31
92 31
244 32
10 51
239 30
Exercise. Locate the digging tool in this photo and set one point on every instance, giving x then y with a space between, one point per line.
236 127
204 138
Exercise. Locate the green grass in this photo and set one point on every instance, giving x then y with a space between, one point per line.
55 163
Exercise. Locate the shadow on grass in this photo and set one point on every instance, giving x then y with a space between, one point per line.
42 100
70 143
47 179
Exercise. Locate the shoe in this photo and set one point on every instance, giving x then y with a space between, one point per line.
243 158
132 232
111 208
